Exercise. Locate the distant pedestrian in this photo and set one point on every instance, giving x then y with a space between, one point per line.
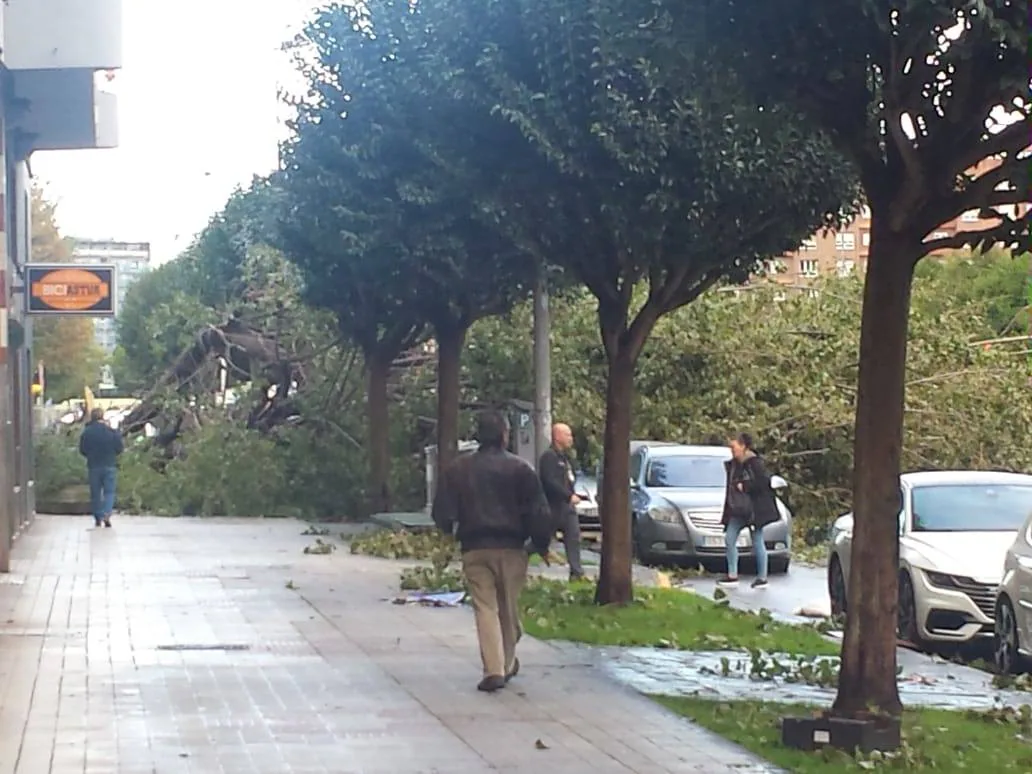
557 478
748 505
101 445
492 502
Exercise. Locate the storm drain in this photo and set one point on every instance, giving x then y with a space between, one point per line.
209 646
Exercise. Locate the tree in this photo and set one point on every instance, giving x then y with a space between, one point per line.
997 277
418 218
589 159
64 345
929 100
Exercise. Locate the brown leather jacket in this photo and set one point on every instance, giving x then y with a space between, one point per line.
493 499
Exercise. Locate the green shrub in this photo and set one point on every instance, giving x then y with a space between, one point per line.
58 462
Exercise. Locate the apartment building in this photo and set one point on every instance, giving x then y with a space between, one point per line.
843 252
130 259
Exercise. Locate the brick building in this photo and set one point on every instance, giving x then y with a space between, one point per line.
844 252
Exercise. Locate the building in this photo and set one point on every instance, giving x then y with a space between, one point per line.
57 62
843 252
130 259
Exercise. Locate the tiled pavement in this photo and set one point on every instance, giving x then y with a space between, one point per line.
328 676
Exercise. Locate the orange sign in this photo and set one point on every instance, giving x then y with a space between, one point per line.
71 289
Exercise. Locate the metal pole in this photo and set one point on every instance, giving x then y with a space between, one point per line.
542 366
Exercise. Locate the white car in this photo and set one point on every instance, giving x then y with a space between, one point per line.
955 528
1013 614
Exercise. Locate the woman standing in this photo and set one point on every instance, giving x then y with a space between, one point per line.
749 504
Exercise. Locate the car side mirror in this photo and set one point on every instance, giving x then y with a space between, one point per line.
777 482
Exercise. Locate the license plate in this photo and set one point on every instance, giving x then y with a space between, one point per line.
716 541
588 511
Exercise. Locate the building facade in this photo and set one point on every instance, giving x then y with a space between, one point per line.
57 61
130 259
843 252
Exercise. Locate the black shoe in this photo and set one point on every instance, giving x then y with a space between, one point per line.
107 523
577 576
727 580
760 583
491 683
514 671
97 523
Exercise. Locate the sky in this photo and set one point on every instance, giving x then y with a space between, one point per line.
198 115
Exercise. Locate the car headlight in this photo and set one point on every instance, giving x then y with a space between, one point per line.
665 515
940 579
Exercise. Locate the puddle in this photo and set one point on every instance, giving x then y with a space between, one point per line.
726 675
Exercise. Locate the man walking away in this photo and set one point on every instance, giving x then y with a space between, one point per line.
557 478
492 501
101 445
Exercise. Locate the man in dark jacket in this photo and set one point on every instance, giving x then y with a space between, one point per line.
101 445
492 502
557 478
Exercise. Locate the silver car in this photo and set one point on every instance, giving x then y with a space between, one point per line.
677 499
954 531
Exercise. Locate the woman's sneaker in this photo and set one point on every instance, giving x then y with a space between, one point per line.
727 580
760 583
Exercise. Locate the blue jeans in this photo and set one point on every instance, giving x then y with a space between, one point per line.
734 529
102 493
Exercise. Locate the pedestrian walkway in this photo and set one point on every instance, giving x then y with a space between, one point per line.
167 646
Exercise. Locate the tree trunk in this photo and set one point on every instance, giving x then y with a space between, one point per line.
449 367
378 368
615 582
868 674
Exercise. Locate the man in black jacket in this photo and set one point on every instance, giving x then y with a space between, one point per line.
557 478
492 502
101 445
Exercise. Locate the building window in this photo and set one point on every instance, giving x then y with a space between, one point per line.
940 234
844 267
865 238
809 244
808 267
845 241
971 216
865 212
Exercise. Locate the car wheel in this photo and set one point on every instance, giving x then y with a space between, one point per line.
779 565
1005 639
837 587
906 620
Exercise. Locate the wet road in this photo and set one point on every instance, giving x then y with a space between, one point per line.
800 594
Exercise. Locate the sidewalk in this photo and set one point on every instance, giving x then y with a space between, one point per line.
166 646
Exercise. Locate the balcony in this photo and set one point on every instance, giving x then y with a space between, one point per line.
62 34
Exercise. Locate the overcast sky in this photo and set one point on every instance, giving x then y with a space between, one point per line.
198 115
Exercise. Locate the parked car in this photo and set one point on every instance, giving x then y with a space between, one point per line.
1012 616
677 498
585 486
954 531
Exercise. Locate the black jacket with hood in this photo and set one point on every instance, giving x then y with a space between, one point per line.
755 480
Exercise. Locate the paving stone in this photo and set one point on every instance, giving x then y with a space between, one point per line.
286 664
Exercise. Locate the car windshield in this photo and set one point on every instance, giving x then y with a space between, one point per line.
687 472
971 507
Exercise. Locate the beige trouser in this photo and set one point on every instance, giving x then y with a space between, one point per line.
496 577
